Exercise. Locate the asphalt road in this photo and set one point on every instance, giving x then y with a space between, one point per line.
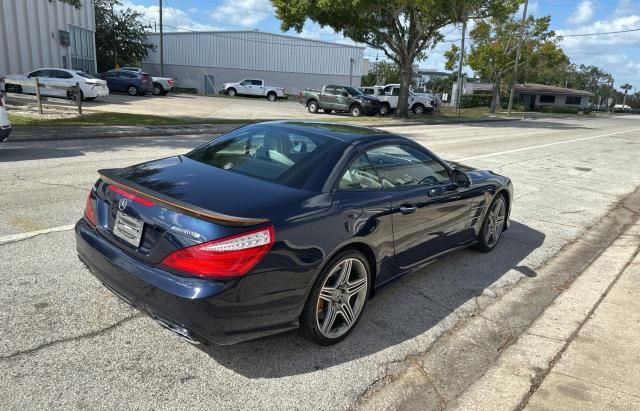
67 342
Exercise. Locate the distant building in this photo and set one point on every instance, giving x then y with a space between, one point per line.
205 60
426 75
534 96
39 33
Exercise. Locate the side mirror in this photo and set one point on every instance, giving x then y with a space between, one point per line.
461 178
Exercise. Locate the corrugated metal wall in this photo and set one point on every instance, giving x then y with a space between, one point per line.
29 32
250 50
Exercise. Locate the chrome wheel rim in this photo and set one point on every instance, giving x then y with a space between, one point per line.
271 97
419 110
232 93
133 91
355 111
495 222
342 298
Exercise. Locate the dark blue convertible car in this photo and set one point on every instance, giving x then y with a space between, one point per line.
282 225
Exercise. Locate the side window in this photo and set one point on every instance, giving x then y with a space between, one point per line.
395 91
360 175
381 92
60 74
341 92
256 82
402 166
39 73
330 90
245 82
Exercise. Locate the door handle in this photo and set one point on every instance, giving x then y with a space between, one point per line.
408 208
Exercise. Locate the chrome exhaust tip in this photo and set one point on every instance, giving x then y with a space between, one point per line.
177 329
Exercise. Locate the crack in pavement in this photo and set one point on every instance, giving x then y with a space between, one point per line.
16 238
88 335
17 177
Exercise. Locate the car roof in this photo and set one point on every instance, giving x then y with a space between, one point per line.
343 132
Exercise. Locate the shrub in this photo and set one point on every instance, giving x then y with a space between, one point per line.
559 109
475 100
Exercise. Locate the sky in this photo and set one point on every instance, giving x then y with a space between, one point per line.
618 54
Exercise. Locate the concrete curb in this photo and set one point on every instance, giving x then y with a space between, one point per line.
457 370
523 366
23 134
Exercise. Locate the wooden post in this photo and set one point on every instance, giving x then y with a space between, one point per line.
38 96
79 98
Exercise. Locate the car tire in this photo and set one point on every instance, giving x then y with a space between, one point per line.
133 91
158 89
231 92
385 109
164 92
338 299
327 110
90 98
493 225
312 106
418 109
355 110
271 96
72 95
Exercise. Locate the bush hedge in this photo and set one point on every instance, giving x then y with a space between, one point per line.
475 100
559 110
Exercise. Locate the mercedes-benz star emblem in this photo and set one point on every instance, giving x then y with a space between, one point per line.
122 204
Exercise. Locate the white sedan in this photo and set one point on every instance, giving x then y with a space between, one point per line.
90 86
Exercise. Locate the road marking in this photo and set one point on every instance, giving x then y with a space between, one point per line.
545 145
23 236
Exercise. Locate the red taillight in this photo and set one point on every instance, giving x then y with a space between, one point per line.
171 83
89 212
130 196
224 258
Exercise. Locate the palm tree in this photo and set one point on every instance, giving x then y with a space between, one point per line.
626 87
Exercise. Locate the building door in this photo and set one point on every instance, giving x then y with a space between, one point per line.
208 84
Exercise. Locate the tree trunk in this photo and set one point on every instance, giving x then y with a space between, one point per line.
403 98
495 100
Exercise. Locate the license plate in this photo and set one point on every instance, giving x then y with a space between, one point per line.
128 228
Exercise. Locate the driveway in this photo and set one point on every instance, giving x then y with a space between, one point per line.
67 342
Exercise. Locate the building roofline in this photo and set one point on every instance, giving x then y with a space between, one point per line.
287 36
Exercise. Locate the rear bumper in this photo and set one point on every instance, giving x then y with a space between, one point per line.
210 310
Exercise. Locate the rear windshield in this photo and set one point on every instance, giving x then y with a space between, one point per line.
268 152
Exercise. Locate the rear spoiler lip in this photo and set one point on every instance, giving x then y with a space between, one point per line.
110 177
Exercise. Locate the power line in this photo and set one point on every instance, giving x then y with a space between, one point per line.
598 34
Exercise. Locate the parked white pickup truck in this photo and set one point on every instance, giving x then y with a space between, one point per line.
419 103
161 85
254 87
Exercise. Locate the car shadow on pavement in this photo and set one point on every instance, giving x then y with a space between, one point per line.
10 154
412 306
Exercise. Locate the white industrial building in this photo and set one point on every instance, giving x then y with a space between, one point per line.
46 33
206 60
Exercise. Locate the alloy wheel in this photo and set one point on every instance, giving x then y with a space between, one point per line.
342 297
495 222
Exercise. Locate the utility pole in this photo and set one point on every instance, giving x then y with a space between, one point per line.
161 44
518 51
459 88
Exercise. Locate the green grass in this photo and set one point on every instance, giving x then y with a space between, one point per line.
114 119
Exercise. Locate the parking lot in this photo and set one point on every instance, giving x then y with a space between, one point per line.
191 106
68 342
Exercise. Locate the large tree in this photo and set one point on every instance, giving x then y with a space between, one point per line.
120 35
495 41
402 29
